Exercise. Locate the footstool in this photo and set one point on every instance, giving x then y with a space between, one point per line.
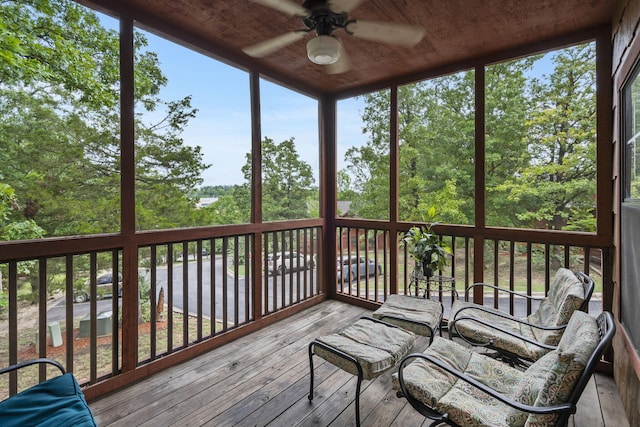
421 316
367 348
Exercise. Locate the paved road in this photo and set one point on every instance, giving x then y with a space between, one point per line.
191 302
235 289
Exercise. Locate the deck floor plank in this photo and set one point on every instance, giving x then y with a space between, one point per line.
589 399
263 380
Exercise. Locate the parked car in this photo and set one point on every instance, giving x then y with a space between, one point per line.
277 263
352 268
104 287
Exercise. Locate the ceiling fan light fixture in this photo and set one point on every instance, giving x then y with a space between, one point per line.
323 50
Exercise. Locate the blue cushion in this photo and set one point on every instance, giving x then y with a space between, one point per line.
56 402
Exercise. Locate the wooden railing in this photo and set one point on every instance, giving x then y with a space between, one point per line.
194 290
190 291
40 319
520 265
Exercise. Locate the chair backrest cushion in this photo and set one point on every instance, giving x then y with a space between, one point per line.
55 402
550 380
566 294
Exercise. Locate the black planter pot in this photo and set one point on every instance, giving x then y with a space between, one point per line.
426 270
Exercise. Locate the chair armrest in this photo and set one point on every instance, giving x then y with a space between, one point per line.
565 407
509 291
452 327
505 316
32 362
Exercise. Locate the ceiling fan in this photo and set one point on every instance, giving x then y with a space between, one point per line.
324 17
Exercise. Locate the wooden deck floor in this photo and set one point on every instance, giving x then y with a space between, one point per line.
263 379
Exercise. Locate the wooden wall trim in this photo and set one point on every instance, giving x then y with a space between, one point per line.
632 352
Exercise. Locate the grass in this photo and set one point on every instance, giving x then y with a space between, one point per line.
27 349
519 280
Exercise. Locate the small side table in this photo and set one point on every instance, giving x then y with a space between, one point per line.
422 286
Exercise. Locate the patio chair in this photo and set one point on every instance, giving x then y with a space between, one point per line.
55 402
452 384
522 341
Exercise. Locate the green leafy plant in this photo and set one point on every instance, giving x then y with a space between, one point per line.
427 247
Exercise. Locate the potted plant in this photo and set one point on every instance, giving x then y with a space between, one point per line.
426 247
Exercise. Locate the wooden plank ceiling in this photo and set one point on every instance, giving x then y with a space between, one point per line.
456 30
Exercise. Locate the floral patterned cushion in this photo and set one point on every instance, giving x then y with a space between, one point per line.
528 389
483 334
444 392
566 294
548 381
376 346
425 314
576 346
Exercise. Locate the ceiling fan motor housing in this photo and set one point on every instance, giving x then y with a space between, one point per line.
322 19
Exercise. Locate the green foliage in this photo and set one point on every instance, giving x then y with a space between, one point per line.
225 210
369 165
425 246
60 125
287 182
539 147
17 230
557 183
4 304
144 290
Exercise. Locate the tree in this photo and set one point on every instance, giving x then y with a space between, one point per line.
507 105
368 165
539 147
17 230
59 123
225 210
286 182
557 185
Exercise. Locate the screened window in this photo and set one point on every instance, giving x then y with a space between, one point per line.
632 138
540 123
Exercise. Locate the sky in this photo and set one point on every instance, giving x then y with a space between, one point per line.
222 126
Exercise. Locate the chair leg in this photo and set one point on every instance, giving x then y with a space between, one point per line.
311 369
346 357
358 398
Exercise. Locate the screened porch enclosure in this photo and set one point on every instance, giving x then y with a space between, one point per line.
432 128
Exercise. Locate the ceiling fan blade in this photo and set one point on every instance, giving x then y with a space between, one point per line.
340 6
343 64
267 47
387 32
284 6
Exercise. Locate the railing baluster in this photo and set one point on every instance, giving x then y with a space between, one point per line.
42 315
213 286
512 266
199 313
236 284
529 276
169 297
153 277
225 298
69 311
93 311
